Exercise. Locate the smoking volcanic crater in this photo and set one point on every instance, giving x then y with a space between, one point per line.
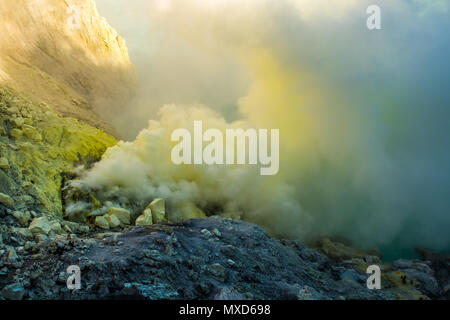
266 151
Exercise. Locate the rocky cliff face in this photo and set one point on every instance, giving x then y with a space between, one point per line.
60 62
64 54
52 75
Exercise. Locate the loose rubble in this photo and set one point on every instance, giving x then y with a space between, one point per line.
209 258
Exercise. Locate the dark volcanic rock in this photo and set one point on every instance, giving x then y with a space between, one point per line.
211 258
440 264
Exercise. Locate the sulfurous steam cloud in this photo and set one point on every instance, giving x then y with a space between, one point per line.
363 115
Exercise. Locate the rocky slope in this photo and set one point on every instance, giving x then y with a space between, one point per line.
53 80
212 258
64 54
37 146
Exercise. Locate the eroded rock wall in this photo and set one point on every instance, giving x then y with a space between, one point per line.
65 54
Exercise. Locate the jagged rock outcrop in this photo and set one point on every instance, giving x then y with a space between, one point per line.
64 54
211 258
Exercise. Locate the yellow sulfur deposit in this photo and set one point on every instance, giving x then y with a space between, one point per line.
188 210
400 285
145 219
158 210
121 214
34 157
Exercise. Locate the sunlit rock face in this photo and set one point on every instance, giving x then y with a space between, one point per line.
64 54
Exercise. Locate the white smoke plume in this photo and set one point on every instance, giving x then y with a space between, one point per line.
363 116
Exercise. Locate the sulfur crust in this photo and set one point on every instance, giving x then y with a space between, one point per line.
54 145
